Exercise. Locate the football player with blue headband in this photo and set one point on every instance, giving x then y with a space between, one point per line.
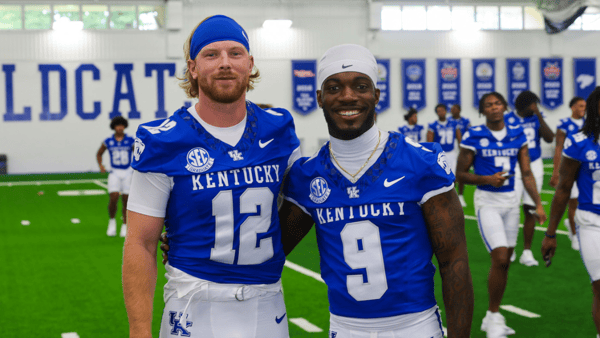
581 161
382 205
494 149
211 173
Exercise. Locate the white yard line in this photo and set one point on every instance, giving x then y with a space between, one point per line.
69 335
519 311
98 182
306 325
304 271
10 184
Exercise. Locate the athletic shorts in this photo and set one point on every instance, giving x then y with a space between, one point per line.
119 180
537 168
199 308
451 158
425 324
499 227
588 233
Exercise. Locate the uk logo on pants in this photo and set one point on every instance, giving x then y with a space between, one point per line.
177 327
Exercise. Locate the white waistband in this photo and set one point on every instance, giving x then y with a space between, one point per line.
384 323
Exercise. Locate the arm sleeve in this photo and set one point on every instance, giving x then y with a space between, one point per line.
149 193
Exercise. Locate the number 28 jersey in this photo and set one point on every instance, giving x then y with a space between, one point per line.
221 216
119 151
582 148
373 242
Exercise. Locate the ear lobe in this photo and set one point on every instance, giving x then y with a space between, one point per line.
191 65
319 99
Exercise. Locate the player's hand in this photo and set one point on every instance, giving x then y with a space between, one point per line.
102 169
540 214
497 180
164 246
554 180
548 248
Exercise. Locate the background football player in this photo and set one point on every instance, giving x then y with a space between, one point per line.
494 150
212 173
119 147
412 129
567 127
581 161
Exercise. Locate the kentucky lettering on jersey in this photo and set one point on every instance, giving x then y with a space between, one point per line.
492 155
378 254
222 211
413 132
582 148
120 151
444 134
531 128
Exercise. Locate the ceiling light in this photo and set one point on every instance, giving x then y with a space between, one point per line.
277 24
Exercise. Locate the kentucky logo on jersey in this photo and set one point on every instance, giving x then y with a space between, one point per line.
443 163
353 192
176 324
319 190
199 160
139 149
236 155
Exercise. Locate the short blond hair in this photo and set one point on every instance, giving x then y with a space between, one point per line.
189 84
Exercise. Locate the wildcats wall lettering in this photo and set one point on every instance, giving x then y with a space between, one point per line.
123 91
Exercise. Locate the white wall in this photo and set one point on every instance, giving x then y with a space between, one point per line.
70 145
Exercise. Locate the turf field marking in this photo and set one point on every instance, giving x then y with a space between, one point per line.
519 311
304 271
25 222
538 228
69 335
81 192
306 325
551 192
75 220
10 184
101 184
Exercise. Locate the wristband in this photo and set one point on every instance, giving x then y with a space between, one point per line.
550 236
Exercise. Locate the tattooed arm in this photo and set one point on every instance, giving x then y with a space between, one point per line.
446 226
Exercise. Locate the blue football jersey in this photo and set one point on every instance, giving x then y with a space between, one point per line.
462 124
221 215
373 242
119 151
569 126
493 156
444 134
413 133
531 127
582 148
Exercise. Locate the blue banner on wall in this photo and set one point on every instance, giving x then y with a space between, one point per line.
304 85
484 75
552 87
413 83
448 81
584 74
517 78
383 83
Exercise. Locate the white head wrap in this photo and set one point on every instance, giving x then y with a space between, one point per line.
347 58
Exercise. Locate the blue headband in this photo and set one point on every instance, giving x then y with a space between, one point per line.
217 28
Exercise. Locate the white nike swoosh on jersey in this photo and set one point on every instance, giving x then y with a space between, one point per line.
272 112
389 184
262 145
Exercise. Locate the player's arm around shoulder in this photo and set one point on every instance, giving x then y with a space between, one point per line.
446 226
140 270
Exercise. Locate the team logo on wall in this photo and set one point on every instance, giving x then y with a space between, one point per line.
198 160
591 155
414 72
381 72
484 71
484 142
139 149
449 72
518 71
552 71
319 190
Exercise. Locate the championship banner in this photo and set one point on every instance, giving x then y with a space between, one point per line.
552 87
413 83
517 78
448 81
584 74
304 85
483 78
383 84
